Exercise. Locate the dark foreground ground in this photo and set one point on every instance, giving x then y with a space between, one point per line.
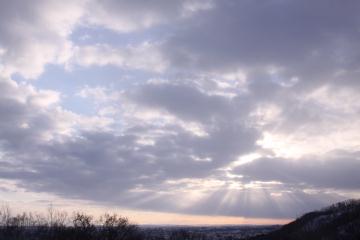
136 233
205 232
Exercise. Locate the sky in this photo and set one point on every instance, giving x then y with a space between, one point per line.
182 111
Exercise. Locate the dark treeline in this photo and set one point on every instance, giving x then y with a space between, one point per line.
59 225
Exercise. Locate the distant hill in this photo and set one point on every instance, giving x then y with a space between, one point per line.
339 221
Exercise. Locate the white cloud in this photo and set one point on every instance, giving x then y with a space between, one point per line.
99 94
36 35
45 98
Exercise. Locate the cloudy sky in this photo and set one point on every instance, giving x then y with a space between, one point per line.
182 111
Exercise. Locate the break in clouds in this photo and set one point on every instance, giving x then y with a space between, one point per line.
235 108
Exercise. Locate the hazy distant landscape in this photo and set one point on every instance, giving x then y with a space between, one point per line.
205 232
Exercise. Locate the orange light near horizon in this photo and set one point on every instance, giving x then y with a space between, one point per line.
158 218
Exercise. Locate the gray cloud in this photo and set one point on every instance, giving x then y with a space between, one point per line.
134 15
22 123
187 102
45 148
102 160
311 40
334 172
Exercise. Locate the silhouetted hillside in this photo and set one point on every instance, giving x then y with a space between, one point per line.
339 221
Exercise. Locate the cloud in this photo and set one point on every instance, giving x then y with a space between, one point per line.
144 156
36 35
334 172
21 121
224 80
145 56
39 33
263 202
301 39
151 177
184 101
127 16
32 117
